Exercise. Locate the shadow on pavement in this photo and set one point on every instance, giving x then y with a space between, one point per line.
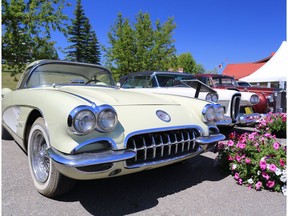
136 192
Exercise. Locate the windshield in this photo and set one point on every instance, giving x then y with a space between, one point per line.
69 74
137 82
172 80
224 81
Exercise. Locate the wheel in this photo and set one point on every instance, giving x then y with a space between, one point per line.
47 179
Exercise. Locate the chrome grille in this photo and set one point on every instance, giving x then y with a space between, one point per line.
157 147
235 106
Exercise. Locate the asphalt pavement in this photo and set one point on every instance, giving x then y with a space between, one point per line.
196 187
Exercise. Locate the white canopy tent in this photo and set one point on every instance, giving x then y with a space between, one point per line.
275 70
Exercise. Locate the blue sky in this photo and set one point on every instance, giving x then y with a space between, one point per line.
213 31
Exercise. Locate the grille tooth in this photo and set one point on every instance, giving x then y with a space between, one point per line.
160 146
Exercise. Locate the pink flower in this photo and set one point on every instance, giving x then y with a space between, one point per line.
221 145
242 145
267 135
238 158
247 160
276 146
236 176
258 185
272 167
240 181
282 162
230 143
265 175
251 136
263 164
270 184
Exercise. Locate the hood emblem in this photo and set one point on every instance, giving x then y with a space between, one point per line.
163 116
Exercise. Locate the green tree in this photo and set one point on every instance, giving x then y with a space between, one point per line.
139 47
200 69
84 44
187 62
26 27
121 55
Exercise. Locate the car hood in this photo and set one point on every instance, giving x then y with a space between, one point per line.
114 97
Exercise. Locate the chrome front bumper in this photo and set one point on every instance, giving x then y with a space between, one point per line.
248 119
75 166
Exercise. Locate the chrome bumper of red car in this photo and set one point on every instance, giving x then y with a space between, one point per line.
248 119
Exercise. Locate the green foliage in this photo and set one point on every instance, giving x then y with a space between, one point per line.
140 47
199 68
274 123
85 46
187 62
26 27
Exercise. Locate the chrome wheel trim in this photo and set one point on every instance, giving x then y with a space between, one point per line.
40 161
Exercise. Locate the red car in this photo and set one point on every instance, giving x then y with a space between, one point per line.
266 95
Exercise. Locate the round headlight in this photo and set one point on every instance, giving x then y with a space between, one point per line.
84 121
212 97
219 112
270 98
208 113
107 120
254 99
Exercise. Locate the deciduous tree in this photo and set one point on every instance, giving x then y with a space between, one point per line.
140 46
26 28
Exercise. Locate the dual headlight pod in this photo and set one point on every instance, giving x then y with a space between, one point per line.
84 119
213 113
212 97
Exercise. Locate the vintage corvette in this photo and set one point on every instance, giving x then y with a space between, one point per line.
76 124
178 83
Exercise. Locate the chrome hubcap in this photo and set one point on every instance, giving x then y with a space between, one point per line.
39 159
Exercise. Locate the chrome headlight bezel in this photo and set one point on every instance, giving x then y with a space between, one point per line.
212 113
83 120
106 120
219 112
254 99
213 97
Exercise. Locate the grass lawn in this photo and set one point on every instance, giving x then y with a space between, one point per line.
8 81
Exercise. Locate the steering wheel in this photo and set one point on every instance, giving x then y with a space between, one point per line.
92 80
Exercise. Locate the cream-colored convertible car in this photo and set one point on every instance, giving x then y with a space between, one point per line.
75 124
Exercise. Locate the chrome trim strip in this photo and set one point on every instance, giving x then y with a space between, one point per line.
248 118
210 139
151 163
225 121
88 159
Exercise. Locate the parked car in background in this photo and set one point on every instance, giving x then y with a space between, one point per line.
219 81
177 83
243 83
75 124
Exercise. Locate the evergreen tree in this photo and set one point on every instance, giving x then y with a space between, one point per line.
85 46
92 50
